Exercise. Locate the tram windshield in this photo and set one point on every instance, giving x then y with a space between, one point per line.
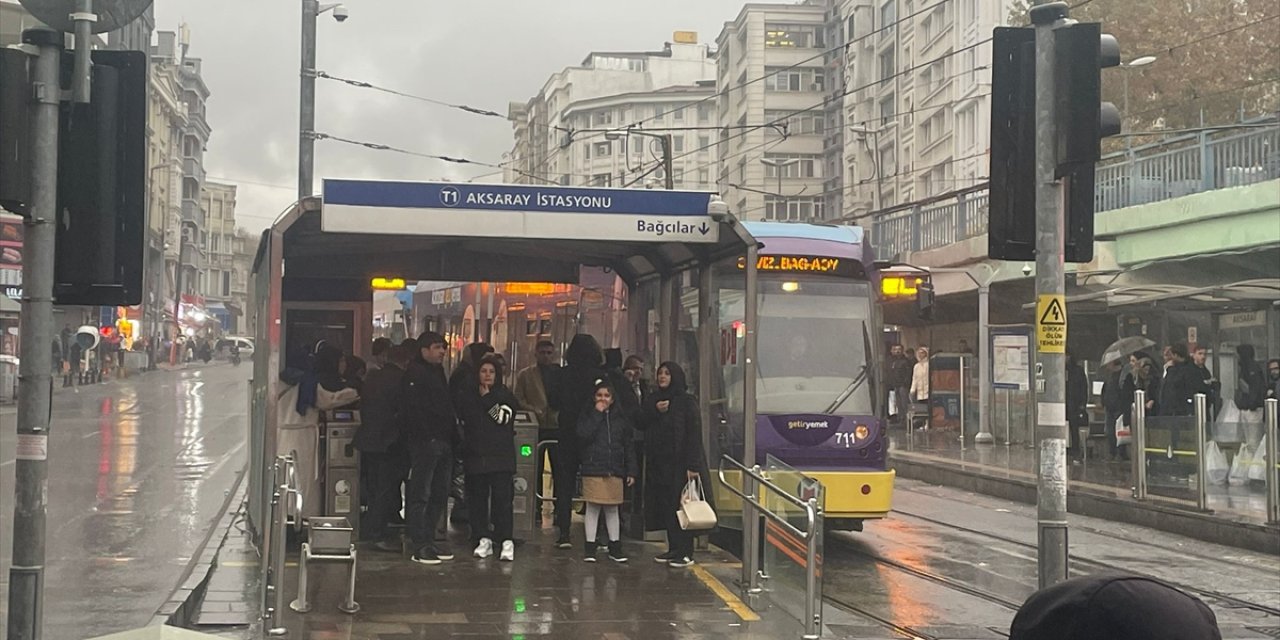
813 345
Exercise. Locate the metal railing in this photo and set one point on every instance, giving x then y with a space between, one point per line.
286 500
813 528
1168 169
1272 461
1141 446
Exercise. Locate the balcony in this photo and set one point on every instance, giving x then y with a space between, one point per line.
1174 168
193 168
192 212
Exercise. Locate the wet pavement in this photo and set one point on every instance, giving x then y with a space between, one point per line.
1098 470
140 470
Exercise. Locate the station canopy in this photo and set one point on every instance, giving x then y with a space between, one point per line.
494 233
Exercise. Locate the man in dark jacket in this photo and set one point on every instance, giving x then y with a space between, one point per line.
1077 397
1181 382
1210 385
1114 403
381 441
898 378
431 427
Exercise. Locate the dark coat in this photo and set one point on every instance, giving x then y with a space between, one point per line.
1077 396
606 442
428 406
381 410
571 395
899 371
673 440
1176 390
1113 398
488 432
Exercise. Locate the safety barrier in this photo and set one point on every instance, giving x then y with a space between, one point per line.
1165 436
285 499
811 535
1272 461
329 539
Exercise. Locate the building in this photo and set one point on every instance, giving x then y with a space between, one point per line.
244 246
917 108
217 242
560 134
771 71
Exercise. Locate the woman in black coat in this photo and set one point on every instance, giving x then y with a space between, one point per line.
488 412
571 395
608 461
673 455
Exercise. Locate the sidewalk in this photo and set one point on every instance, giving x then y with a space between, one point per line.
1009 471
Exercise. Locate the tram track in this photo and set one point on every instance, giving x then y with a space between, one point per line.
1227 599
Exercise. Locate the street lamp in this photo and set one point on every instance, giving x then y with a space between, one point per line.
1126 66
311 9
664 138
778 164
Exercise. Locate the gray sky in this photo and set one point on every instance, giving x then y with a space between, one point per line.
482 53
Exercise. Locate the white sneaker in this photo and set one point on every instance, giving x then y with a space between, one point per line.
508 551
485 548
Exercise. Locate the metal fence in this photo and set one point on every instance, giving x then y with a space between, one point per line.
1151 173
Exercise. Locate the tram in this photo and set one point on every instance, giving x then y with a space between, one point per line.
819 398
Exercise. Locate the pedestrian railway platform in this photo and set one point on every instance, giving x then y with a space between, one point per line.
1097 486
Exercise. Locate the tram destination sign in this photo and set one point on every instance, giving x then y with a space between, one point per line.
516 211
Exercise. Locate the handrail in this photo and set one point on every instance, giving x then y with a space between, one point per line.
810 508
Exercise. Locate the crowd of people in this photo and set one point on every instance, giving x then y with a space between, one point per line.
426 436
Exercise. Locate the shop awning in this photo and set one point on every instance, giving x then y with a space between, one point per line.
9 305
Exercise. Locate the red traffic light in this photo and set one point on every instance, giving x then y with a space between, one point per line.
106 332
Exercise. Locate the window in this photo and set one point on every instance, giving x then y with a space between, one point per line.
677 176
704 112
793 35
677 144
677 112
888 108
704 144
603 149
601 180
849 33
601 118
805 166
888 15
888 66
787 79
704 176
806 123
966 129
888 162
792 209
226 283
587 150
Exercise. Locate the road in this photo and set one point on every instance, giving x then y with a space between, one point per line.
139 472
951 564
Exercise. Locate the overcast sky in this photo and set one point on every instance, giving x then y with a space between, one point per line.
482 53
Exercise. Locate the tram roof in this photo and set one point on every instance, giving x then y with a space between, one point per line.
372 229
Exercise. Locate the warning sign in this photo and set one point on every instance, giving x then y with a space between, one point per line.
1051 324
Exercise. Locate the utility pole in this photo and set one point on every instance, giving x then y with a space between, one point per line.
666 161
307 101
175 350
1051 407
35 378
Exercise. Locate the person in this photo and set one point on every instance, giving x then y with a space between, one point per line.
608 457
1115 404
381 441
1077 400
1167 355
1273 376
636 385
431 426
311 388
964 347
1209 384
673 452
57 356
1251 391
488 413
1137 380
353 371
75 354
571 395
919 390
532 388
233 350
898 380
379 351
1181 382
460 381
1148 379
1114 607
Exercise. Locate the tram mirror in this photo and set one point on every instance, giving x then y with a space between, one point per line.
924 300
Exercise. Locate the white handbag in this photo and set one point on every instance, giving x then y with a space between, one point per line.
695 512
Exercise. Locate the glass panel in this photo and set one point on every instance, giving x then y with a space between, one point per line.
726 428
785 553
1170 456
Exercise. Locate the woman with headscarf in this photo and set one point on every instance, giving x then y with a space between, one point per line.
317 388
571 396
673 453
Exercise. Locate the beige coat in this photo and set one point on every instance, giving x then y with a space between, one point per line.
532 396
920 381
300 435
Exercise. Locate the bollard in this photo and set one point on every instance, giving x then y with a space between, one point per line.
1273 473
1138 444
1202 467
329 540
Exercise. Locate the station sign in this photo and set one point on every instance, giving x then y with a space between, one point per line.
517 211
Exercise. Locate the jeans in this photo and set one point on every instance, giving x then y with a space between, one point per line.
428 488
489 499
564 474
382 472
679 541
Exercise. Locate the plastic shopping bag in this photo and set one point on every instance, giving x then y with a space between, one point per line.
1227 427
1240 466
1216 464
1123 434
1258 466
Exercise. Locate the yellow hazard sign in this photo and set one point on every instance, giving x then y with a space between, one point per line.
1051 324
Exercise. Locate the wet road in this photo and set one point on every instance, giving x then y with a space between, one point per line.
139 471
951 564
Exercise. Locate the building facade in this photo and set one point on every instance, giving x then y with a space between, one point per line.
214 281
561 133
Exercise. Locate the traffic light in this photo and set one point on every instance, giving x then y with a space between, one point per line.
1081 51
924 301
15 131
102 156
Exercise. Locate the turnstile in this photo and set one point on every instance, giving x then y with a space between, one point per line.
341 465
526 506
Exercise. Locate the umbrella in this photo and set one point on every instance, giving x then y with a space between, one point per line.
157 632
1125 346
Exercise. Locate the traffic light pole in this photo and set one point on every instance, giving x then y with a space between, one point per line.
1051 407
35 375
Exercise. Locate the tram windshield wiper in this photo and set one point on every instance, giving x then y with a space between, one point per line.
848 391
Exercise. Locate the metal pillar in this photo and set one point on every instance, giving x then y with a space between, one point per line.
35 378
984 435
1138 444
1051 408
750 520
307 101
1273 473
708 352
1202 469
666 330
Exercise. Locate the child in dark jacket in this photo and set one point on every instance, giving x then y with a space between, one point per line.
608 458
489 458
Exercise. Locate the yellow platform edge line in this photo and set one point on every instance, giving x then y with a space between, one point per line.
735 605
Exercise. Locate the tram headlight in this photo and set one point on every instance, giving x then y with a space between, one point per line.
861 432
791 286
